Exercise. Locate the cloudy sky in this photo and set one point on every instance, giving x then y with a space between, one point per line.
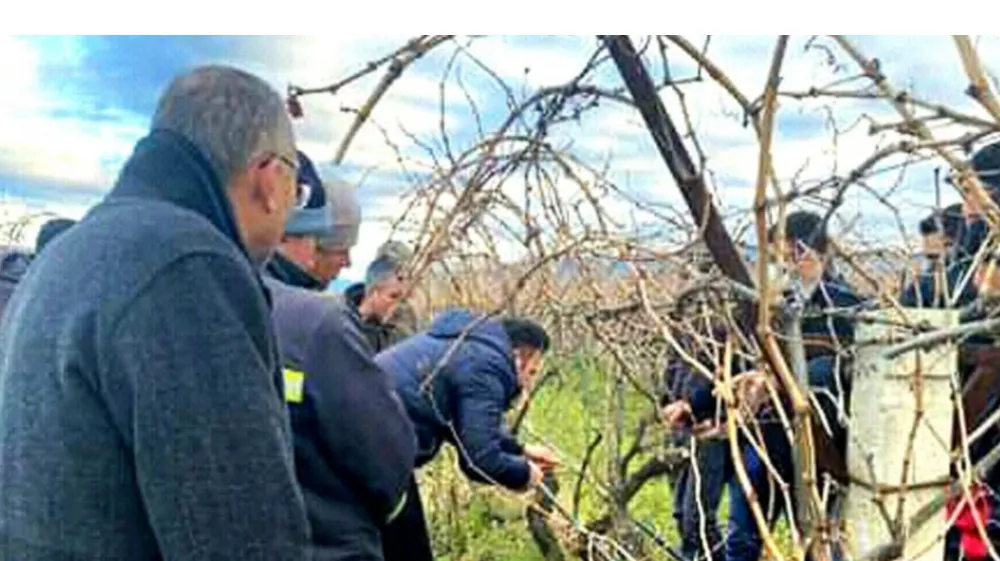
71 109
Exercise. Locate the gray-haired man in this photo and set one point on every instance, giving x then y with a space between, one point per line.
378 301
141 401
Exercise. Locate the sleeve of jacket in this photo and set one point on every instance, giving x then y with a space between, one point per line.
479 426
361 419
703 402
509 444
676 377
191 381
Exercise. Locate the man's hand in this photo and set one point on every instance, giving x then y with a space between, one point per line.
537 475
708 428
542 456
751 389
676 414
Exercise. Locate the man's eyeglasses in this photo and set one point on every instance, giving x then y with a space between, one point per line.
288 162
302 191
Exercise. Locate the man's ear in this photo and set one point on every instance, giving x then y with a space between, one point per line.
264 188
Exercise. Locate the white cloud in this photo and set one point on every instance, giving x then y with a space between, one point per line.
556 63
32 217
69 151
78 152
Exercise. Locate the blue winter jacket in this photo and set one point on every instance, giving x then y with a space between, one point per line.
464 402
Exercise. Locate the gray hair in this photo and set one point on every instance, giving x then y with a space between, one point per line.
395 250
231 115
383 268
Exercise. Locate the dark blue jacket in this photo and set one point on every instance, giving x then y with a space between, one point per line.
828 370
684 383
464 402
824 330
141 408
354 444
923 290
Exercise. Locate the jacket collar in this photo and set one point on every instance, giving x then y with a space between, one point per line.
288 272
167 167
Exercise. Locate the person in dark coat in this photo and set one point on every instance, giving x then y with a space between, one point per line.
938 276
827 331
978 360
376 301
354 443
14 262
51 230
142 414
693 413
985 163
456 380
295 261
13 266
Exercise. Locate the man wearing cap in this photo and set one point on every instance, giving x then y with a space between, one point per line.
354 444
385 317
295 261
335 247
986 164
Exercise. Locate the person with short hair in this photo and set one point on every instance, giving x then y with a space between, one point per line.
696 419
808 282
14 262
985 163
377 302
938 276
51 230
456 380
143 415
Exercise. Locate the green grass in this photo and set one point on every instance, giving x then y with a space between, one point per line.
477 523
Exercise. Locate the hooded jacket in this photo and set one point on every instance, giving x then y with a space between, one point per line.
141 400
354 444
464 401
